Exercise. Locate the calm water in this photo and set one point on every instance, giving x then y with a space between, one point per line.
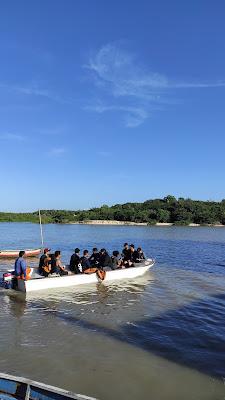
161 336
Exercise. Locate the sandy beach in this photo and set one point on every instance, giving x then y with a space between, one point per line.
129 223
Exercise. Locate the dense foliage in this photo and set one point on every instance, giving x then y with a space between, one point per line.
179 211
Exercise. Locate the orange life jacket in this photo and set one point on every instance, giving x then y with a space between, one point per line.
28 270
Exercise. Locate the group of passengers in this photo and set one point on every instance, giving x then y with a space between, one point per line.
51 263
99 260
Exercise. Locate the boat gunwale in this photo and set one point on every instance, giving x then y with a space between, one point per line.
43 386
149 265
7 253
15 250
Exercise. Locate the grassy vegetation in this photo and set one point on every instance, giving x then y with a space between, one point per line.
169 209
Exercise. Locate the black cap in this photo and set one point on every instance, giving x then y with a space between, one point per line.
77 250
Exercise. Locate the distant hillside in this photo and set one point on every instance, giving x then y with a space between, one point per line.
168 210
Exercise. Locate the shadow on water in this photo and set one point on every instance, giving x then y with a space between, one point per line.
192 335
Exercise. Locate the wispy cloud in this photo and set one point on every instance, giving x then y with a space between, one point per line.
118 72
54 131
130 88
56 151
34 90
196 85
104 154
133 116
12 136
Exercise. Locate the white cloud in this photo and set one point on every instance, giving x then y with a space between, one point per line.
12 136
56 151
55 131
133 116
104 154
34 90
119 73
136 90
196 85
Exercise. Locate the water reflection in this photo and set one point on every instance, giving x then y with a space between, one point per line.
17 304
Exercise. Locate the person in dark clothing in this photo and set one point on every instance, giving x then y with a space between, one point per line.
94 259
125 252
85 261
42 260
116 260
135 257
56 264
105 259
128 261
53 264
46 268
75 261
131 253
140 254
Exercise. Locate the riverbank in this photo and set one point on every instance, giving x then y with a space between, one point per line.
129 223
155 212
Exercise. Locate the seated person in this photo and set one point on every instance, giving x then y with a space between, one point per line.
105 260
129 259
75 261
140 255
125 252
46 267
116 260
85 261
94 259
56 264
42 259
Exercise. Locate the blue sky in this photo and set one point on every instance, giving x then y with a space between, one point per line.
109 102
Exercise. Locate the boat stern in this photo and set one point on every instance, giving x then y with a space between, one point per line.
21 285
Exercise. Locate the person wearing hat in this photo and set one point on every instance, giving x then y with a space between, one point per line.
42 260
75 261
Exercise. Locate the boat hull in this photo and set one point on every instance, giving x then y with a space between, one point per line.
15 253
13 387
42 283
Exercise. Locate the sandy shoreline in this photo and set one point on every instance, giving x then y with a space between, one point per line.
129 223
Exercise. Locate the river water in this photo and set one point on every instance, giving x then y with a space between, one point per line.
161 336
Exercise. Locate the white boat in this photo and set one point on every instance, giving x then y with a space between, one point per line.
14 387
37 282
15 253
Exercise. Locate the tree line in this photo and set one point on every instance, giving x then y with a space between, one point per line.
169 209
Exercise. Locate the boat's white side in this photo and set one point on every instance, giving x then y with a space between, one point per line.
47 390
42 283
15 253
